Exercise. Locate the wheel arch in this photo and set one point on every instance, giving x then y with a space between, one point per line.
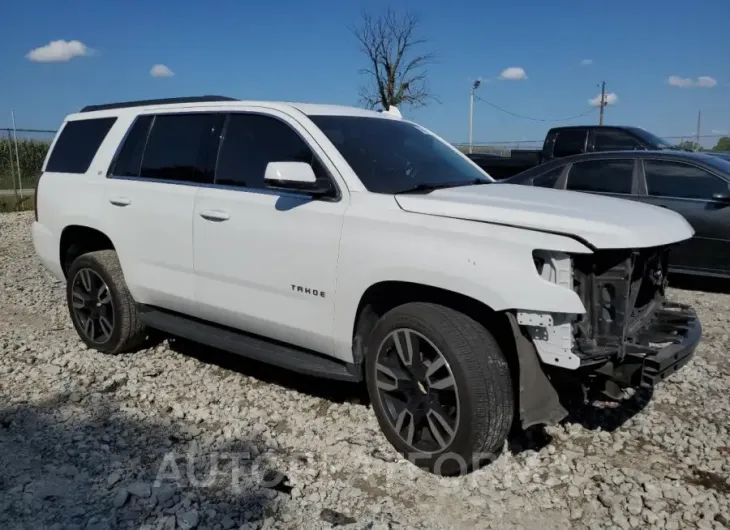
80 239
383 296
536 398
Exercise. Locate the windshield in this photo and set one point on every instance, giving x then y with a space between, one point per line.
392 156
653 139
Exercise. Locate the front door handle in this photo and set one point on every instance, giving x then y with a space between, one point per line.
120 201
215 215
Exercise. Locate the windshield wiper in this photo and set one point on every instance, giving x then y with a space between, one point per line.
425 187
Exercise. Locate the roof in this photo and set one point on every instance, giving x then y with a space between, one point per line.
637 153
594 126
310 109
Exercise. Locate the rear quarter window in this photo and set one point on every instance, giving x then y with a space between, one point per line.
570 142
77 145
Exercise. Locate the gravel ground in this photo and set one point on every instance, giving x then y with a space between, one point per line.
129 441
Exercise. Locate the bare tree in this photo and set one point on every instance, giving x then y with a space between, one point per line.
396 74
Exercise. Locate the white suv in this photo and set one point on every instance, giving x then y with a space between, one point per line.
355 245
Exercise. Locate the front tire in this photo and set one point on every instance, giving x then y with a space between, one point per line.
102 309
440 387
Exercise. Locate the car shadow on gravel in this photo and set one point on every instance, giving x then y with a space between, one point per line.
331 390
609 417
89 463
531 439
587 415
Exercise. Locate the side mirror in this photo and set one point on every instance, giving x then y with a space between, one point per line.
293 176
721 197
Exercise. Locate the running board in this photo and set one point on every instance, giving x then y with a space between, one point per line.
245 345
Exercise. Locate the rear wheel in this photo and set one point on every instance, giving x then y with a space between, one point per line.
102 309
440 387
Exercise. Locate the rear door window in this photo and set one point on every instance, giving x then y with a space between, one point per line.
180 147
77 145
570 142
129 160
678 180
602 176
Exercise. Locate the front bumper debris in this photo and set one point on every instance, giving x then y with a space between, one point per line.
658 350
676 324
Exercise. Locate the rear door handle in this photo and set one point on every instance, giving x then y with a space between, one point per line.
120 201
215 215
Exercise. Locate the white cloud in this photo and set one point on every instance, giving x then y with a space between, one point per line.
718 131
58 51
706 81
684 82
160 70
513 73
586 62
610 99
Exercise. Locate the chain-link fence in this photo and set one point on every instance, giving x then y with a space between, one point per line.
21 157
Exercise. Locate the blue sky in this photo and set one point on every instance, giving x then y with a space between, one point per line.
304 51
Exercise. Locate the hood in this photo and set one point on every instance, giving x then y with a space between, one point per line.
603 222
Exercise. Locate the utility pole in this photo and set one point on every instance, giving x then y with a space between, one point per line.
17 163
474 86
699 122
603 102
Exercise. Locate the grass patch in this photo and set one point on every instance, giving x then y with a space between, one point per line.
8 204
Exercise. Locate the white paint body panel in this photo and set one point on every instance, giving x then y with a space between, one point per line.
153 236
245 267
604 222
238 257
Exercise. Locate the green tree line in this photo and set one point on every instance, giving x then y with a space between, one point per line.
722 145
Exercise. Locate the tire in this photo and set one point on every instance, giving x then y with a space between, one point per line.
472 361
117 327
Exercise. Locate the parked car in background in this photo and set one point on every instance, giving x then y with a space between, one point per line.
567 141
696 185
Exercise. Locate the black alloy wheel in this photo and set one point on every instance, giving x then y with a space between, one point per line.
418 391
91 300
102 309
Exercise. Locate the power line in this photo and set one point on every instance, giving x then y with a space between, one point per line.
533 119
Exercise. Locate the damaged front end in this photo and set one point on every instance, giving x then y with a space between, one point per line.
629 337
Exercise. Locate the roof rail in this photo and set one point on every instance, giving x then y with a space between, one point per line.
165 101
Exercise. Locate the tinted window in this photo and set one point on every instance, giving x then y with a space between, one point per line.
613 140
549 179
674 179
391 156
129 159
252 141
179 147
607 176
77 145
570 143
719 161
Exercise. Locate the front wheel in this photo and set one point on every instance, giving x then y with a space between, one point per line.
440 387
102 309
